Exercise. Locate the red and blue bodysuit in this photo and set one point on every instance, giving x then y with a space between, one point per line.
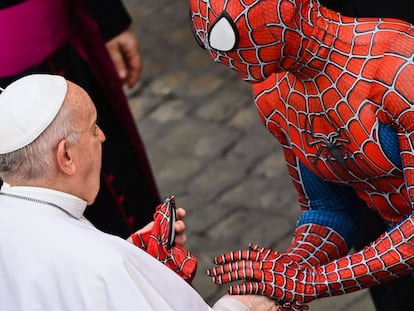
338 94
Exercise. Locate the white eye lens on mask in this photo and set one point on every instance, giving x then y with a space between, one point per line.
223 35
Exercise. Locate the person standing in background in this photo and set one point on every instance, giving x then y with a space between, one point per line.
89 43
393 295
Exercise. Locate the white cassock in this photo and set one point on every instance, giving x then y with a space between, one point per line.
52 259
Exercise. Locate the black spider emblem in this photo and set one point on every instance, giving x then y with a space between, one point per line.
331 146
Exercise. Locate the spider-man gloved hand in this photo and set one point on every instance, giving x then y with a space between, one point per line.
158 241
278 276
312 245
268 273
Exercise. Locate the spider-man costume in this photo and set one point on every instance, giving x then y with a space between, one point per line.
335 91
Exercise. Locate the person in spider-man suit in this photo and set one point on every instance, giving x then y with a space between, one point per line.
393 295
335 91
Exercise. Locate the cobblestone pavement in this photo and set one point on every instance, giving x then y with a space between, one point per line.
208 148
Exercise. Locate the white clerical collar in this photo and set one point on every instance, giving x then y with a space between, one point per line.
67 202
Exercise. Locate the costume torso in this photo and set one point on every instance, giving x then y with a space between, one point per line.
342 123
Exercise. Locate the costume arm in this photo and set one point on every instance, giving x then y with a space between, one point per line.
326 227
406 140
390 256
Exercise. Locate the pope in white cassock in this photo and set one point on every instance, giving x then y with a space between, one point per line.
51 257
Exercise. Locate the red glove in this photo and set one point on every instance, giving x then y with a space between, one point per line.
276 275
268 273
313 245
159 242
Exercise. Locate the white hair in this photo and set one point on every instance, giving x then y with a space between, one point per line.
34 161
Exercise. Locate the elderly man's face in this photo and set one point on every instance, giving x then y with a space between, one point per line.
88 150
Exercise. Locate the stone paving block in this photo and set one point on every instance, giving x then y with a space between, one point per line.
212 185
215 109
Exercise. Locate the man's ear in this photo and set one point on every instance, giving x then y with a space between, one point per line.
64 158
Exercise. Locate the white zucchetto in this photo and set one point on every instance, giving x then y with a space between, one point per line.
27 107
